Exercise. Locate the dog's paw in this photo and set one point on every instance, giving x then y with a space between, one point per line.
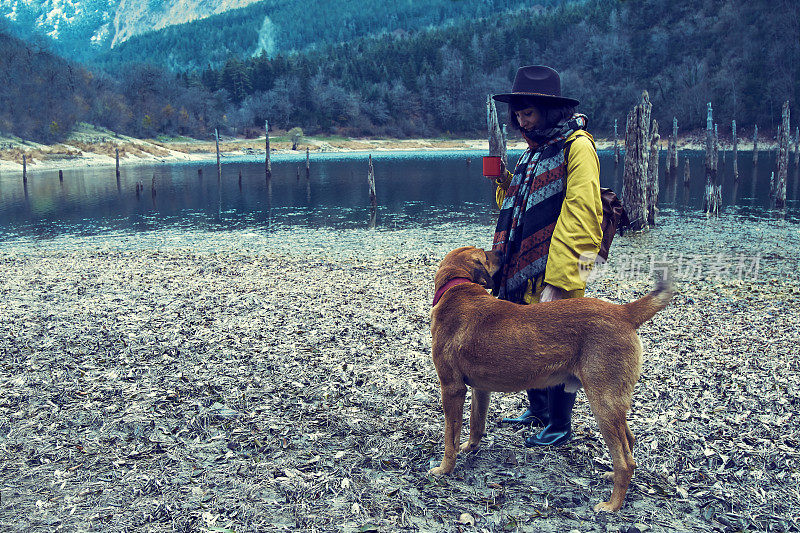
439 471
605 507
468 447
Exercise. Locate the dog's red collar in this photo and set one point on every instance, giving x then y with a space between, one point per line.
452 283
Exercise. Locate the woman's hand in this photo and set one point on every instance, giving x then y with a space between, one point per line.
551 294
501 177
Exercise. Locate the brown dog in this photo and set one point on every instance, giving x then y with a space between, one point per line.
494 345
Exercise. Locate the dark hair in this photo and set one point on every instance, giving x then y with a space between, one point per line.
552 113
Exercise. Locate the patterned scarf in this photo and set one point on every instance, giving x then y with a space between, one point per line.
530 210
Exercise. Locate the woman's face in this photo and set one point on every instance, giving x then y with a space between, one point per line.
529 118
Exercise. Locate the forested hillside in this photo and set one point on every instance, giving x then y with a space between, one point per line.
42 96
277 26
743 57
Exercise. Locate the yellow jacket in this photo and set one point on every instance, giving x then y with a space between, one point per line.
578 228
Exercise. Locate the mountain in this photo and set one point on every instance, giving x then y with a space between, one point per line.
191 34
81 28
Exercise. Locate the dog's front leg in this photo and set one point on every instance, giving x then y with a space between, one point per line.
453 403
477 419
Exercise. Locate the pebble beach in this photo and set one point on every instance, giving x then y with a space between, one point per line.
281 380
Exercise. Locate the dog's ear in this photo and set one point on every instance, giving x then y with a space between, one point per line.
482 269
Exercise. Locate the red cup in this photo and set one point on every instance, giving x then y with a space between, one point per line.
492 166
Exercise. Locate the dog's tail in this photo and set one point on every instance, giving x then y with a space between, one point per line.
645 308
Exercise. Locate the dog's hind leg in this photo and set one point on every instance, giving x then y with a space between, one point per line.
477 419
610 415
453 403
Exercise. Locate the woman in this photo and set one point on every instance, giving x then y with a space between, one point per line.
550 220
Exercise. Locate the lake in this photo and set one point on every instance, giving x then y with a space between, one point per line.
413 189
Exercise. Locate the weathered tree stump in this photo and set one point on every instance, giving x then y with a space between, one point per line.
267 162
373 198
783 158
497 145
652 175
735 152
710 204
755 145
637 154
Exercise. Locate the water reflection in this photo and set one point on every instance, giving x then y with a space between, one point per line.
412 189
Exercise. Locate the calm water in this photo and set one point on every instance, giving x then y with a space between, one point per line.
413 190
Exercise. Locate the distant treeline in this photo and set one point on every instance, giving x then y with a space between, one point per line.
742 56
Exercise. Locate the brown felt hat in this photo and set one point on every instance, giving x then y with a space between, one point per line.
537 82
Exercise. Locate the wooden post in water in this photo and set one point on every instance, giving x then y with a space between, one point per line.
496 140
672 152
686 173
308 165
772 186
735 152
755 145
710 203
240 178
652 174
153 186
61 175
373 199
616 145
116 158
783 157
797 147
675 151
219 164
637 153
268 163
24 168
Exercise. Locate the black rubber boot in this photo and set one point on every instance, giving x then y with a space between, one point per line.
537 412
559 430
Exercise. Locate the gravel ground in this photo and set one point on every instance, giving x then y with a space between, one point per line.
282 380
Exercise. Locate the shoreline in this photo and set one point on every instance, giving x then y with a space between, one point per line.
95 148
